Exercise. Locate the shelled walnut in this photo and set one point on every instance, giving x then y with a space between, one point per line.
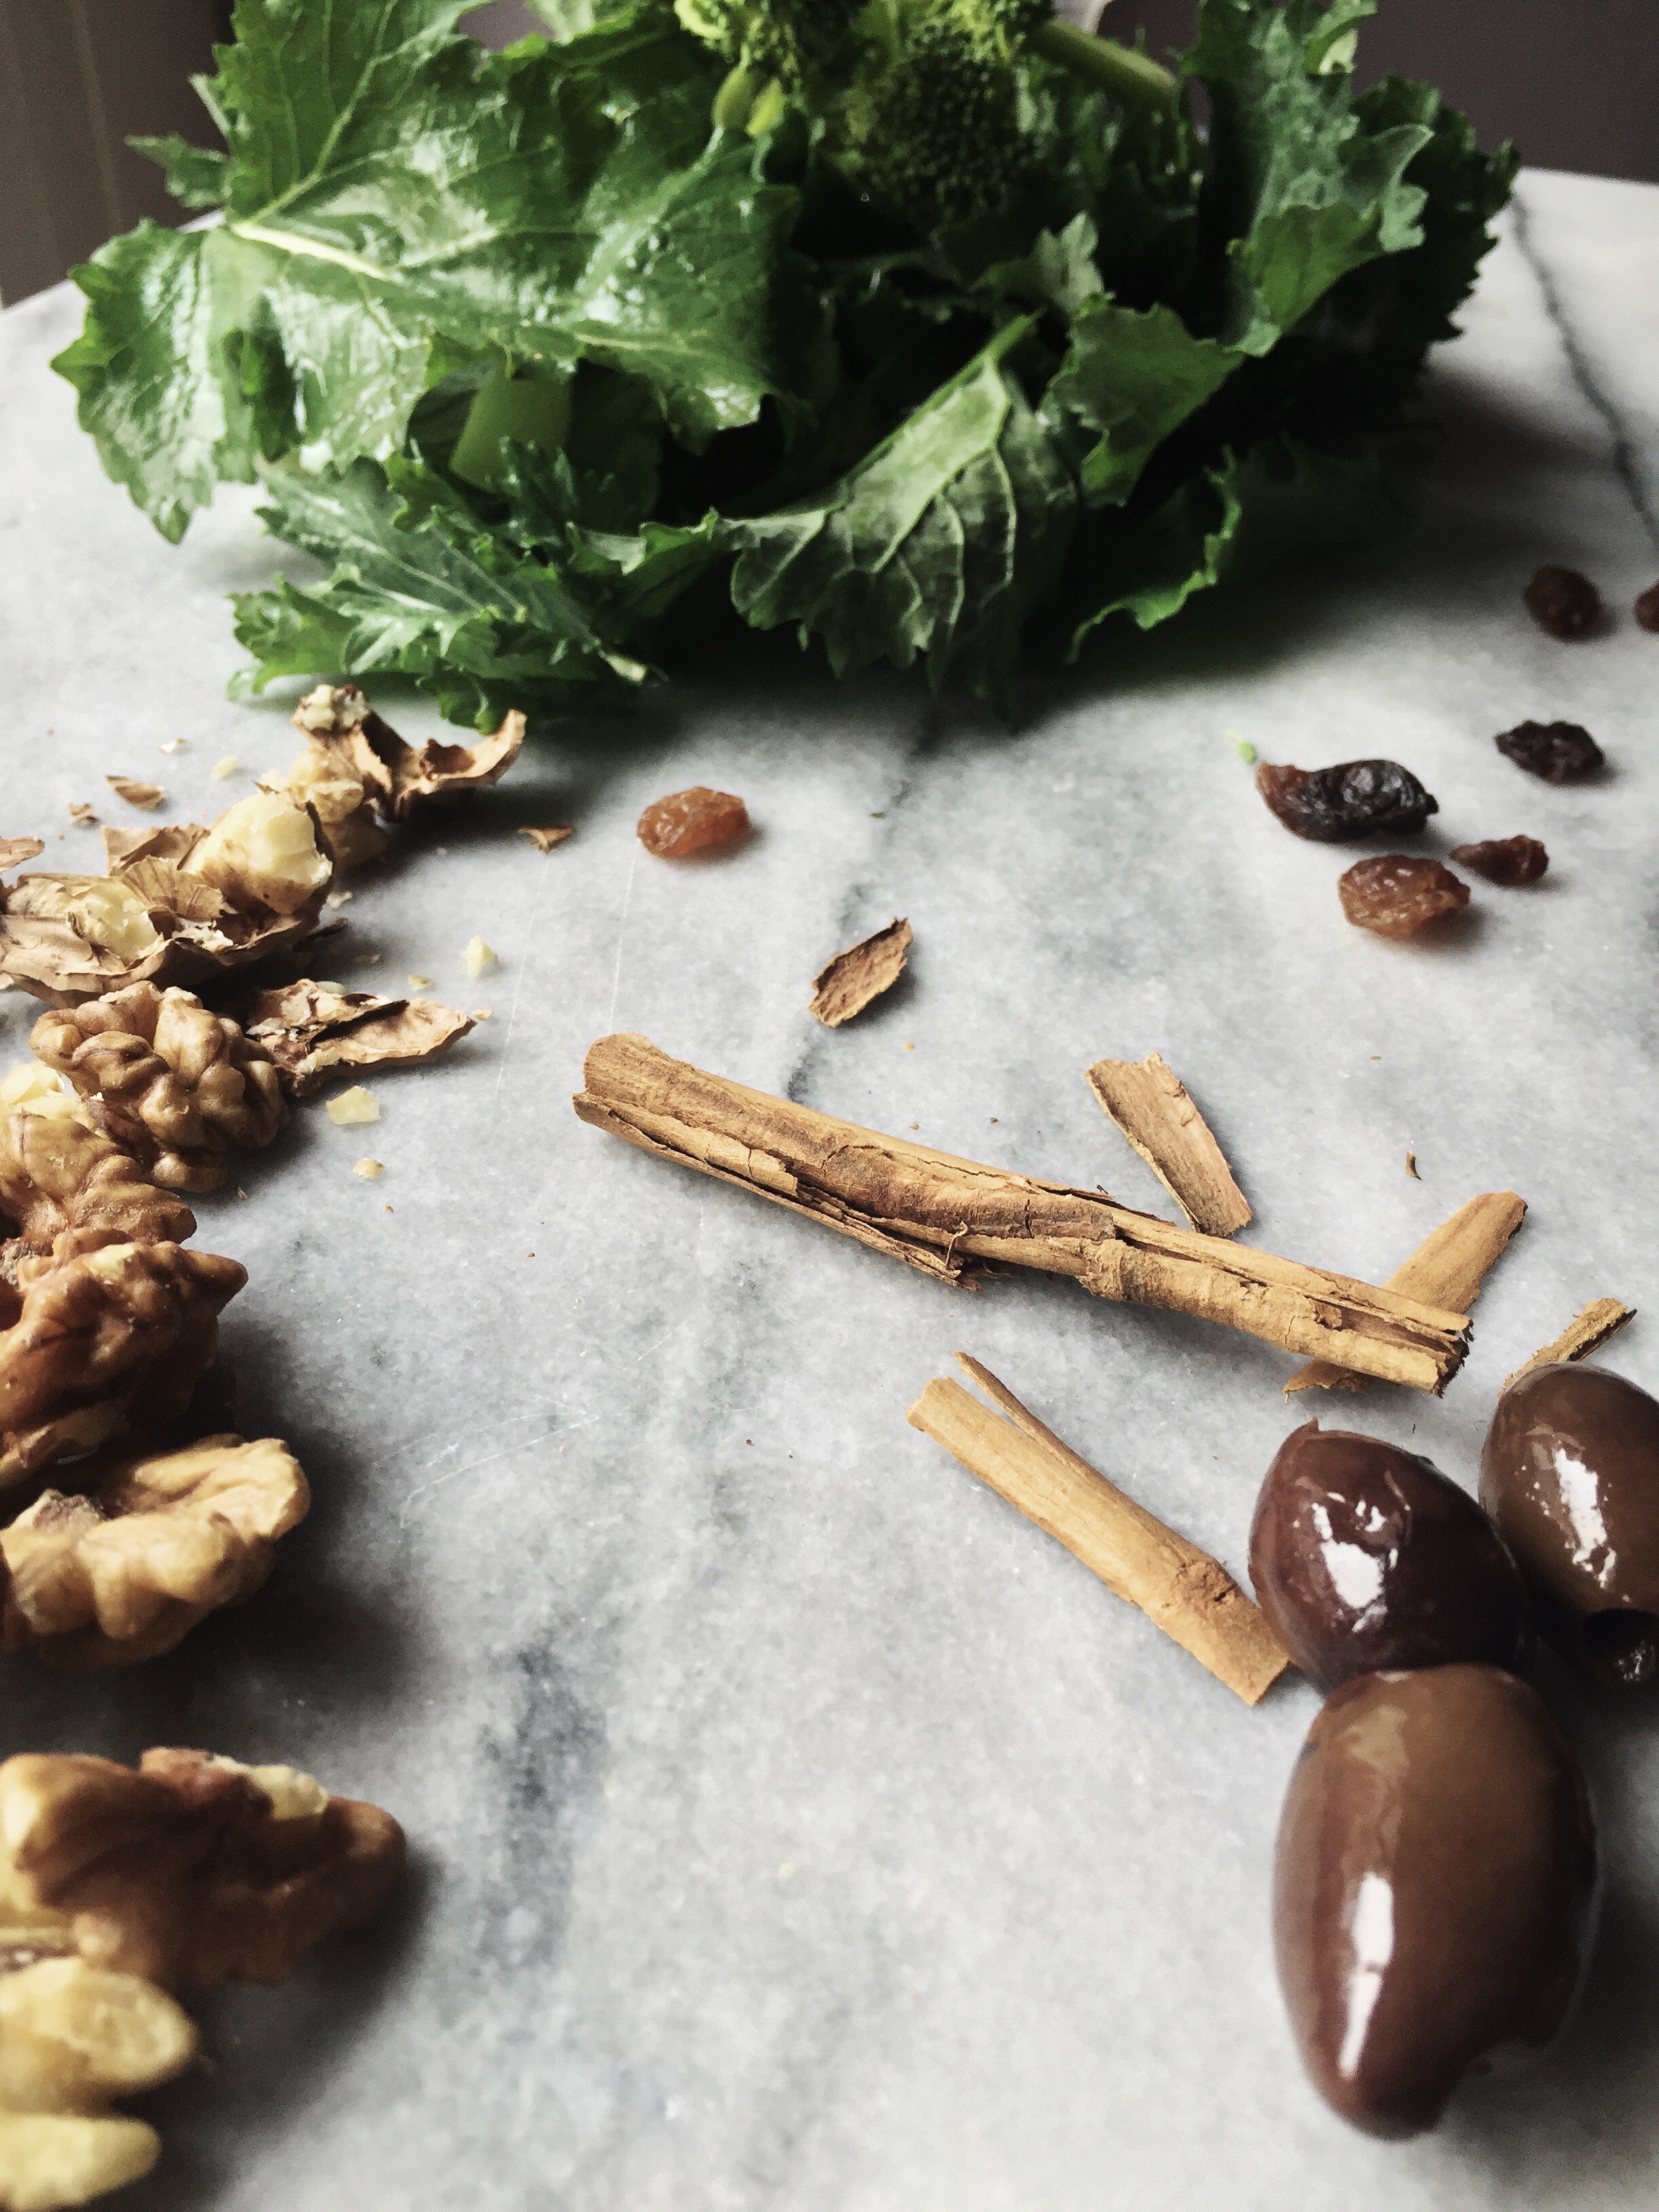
180 903
170 1082
124 1567
400 778
74 2037
58 1171
99 1338
193 1869
326 781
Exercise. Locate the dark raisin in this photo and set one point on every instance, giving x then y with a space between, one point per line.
1504 860
1563 601
1647 608
1396 895
1559 752
1357 798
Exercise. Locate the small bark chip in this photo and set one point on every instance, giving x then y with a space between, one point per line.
1508 860
849 982
1395 895
1564 602
1558 752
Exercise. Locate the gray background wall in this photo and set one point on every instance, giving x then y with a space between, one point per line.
1575 82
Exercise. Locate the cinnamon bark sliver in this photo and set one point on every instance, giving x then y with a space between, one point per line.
1602 1319
1449 1266
1151 1105
1188 1594
950 1217
849 981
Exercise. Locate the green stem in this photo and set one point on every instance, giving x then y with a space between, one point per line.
1133 78
532 407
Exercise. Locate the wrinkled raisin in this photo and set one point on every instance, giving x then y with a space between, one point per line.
1563 601
1559 752
1357 798
1504 860
1396 895
691 821
1647 607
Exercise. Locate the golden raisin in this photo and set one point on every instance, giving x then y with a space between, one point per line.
1396 895
692 821
1504 860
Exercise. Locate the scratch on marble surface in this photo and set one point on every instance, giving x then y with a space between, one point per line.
622 940
526 948
1589 386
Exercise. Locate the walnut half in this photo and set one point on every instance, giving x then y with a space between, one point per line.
121 1333
58 1171
193 1869
172 1083
123 1570
73 2037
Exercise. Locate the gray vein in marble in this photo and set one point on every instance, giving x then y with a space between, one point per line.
1622 438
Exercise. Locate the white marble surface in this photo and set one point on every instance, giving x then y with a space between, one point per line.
794 1826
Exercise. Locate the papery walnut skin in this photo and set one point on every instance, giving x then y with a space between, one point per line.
400 778
59 1173
168 1080
120 1332
194 1869
124 1568
313 1031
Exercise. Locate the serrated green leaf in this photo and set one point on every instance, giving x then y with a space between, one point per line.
1148 566
936 547
1132 376
394 199
1303 188
195 177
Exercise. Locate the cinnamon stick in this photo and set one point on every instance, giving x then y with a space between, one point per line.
1447 1268
1602 1318
1188 1594
950 1217
1152 1106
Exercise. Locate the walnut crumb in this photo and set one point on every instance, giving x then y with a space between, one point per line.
419 982
354 1107
146 797
483 1013
339 898
370 1170
228 765
478 957
173 745
81 814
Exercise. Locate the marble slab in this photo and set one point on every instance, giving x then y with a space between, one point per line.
794 1826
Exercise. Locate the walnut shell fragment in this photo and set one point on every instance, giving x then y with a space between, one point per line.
58 1171
100 1338
401 779
146 797
14 851
313 1031
192 1869
170 1082
180 902
73 2038
849 981
123 1570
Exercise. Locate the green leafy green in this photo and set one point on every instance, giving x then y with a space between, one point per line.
936 329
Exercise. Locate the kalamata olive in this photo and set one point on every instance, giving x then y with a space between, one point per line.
1569 1471
1434 1888
1365 1556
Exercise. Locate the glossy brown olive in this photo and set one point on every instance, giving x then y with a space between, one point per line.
1569 1471
1365 1556
1434 1888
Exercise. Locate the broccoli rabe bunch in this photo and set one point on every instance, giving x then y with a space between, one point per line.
918 101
